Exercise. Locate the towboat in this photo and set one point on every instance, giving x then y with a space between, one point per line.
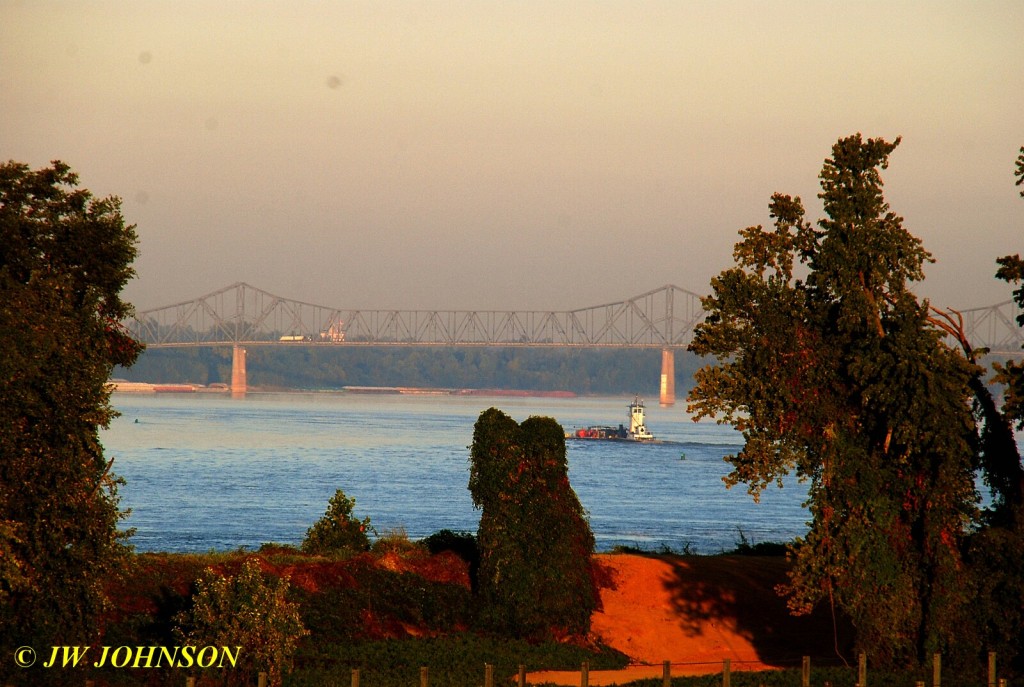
637 430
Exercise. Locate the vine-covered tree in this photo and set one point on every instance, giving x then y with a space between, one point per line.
64 259
536 576
842 377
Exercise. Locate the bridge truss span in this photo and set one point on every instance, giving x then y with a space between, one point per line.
242 314
995 328
664 318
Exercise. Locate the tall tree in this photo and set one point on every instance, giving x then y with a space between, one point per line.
996 552
536 570
64 258
841 377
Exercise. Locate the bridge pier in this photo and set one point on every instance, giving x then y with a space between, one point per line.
238 382
668 377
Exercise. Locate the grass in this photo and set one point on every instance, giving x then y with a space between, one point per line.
453 661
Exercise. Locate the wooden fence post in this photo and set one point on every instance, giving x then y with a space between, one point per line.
522 675
488 675
355 677
862 670
190 682
991 669
805 672
936 670
261 681
585 674
424 677
726 672
666 674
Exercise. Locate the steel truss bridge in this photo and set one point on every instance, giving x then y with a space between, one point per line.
243 316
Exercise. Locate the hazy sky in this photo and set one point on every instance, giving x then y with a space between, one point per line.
499 155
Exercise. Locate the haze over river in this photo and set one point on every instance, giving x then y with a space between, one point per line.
207 472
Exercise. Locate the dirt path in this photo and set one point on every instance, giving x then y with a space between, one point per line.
695 612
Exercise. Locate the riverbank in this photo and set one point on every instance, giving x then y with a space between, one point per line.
123 386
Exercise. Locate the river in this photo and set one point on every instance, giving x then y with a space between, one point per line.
208 472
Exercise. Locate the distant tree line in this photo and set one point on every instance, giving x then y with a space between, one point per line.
581 371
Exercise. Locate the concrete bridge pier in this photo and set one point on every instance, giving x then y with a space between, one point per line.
668 377
238 384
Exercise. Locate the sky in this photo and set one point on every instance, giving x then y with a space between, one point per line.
510 155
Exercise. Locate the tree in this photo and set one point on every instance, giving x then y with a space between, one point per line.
248 613
536 569
1011 270
996 552
842 377
64 259
338 530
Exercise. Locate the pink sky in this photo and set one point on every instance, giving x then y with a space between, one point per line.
486 155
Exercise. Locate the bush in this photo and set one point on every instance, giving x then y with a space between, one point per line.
248 610
395 540
763 548
338 531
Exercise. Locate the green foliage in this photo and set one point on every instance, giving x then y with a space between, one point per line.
395 540
761 548
338 531
536 547
1011 376
841 378
453 661
998 552
248 610
1019 172
64 258
339 600
371 601
996 557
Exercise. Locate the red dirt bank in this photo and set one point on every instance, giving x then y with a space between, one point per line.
697 611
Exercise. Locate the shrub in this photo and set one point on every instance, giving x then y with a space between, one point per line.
248 610
395 540
338 530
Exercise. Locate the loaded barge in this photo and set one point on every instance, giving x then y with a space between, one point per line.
637 430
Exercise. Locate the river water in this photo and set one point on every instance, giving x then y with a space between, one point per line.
207 472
